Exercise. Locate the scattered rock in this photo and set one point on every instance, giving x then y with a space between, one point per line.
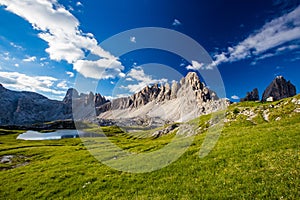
6 159
11 160
297 110
86 184
165 131
266 114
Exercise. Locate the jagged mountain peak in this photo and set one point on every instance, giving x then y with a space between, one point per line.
278 89
171 102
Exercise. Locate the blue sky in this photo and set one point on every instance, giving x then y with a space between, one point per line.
46 45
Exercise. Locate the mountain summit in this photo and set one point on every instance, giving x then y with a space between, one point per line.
278 89
177 102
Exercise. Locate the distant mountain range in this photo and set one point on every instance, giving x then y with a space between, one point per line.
178 102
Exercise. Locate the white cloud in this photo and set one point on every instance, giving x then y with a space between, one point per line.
195 66
16 46
5 56
274 34
235 97
108 97
133 39
71 74
122 95
60 29
100 69
79 4
29 59
288 47
43 58
19 81
137 74
122 75
129 79
62 85
278 51
16 65
176 22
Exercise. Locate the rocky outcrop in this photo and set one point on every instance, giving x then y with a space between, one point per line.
71 93
251 96
99 100
279 89
27 108
23 108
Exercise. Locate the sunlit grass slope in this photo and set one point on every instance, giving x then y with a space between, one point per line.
254 158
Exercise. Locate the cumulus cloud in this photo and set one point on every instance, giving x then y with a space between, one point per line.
62 85
275 35
60 29
71 74
235 97
79 3
19 81
99 69
133 39
195 66
176 22
142 80
29 59
129 79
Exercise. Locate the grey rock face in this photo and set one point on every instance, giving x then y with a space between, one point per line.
99 100
174 90
279 89
24 108
251 96
179 102
164 93
27 108
71 93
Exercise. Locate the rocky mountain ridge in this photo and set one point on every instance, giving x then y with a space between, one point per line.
163 93
170 103
20 108
154 104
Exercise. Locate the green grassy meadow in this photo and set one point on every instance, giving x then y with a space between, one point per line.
254 159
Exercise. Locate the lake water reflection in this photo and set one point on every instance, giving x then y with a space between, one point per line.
56 135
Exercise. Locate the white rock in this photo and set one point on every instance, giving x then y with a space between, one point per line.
297 110
270 99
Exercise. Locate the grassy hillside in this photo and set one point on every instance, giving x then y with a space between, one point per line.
256 157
